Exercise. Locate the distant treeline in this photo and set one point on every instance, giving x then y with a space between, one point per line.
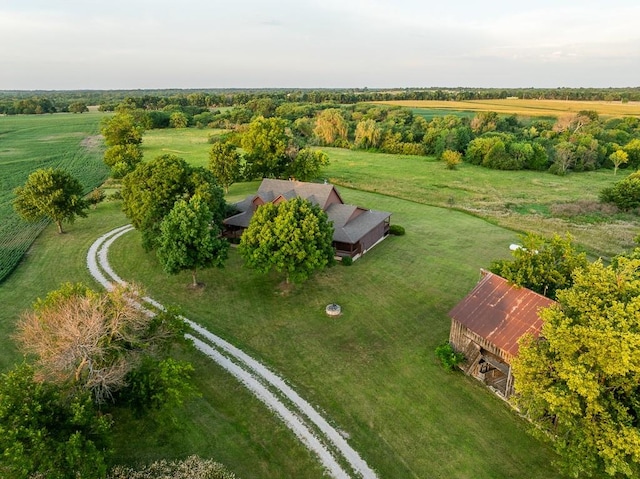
13 102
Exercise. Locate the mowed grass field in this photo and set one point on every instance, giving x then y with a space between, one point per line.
524 107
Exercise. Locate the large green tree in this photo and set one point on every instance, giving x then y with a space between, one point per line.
121 129
46 431
224 163
293 237
542 265
151 190
307 164
122 159
265 144
189 240
580 382
54 194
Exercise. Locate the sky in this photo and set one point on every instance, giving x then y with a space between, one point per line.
148 44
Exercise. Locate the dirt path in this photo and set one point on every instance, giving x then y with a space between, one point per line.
333 451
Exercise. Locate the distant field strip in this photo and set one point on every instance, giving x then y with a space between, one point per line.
28 143
526 107
298 415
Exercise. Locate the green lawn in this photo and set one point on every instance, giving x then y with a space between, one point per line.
373 370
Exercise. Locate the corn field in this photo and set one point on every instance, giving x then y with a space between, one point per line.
28 143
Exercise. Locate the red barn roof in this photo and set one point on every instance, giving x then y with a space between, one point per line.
501 312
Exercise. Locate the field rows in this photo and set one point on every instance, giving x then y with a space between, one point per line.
30 143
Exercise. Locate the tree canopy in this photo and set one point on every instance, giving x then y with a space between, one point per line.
50 193
293 237
151 190
580 382
542 265
189 240
47 432
224 163
265 143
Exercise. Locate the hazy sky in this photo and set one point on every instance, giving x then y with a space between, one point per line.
123 44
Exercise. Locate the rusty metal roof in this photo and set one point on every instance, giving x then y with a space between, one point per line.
501 312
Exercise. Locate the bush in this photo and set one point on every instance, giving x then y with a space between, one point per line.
347 260
448 356
625 194
192 467
396 230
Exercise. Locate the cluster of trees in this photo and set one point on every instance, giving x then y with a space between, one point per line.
91 352
179 209
579 381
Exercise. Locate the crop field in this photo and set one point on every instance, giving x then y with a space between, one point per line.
536 108
28 143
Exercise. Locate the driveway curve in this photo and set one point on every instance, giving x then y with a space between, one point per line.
339 459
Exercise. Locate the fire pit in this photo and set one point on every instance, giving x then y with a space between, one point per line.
333 309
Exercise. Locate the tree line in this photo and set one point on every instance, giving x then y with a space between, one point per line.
13 102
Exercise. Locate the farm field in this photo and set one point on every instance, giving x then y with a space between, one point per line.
523 107
31 142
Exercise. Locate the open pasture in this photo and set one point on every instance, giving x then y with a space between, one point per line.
188 143
31 142
521 200
524 107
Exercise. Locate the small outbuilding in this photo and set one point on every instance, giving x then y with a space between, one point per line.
356 229
487 324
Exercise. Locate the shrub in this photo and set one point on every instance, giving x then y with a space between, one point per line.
192 467
451 159
625 194
396 230
96 196
448 356
347 260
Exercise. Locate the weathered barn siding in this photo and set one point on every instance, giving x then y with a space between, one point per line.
487 324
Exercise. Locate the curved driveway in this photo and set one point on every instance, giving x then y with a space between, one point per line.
333 451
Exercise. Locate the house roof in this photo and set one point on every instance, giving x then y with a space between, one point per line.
350 222
500 312
317 193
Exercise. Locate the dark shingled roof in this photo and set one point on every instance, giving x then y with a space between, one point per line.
350 222
500 312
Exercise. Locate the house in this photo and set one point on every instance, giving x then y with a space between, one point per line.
356 229
487 324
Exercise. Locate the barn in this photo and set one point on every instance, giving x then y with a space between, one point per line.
356 229
487 324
